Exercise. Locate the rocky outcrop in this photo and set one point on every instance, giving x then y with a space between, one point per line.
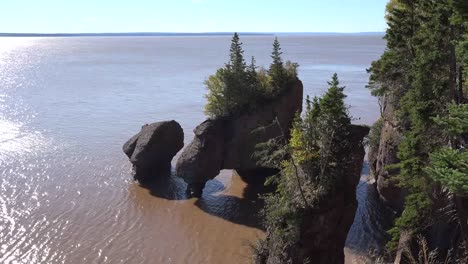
229 142
323 228
152 149
385 155
202 159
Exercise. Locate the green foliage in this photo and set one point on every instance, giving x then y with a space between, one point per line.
461 6
450 168
374 134
389 73
419 72
318 141
236 57
312 164
277 70
218 100
238 87
456 122
416 203
291 70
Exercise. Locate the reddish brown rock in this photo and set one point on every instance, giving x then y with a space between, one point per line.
229 142
152 149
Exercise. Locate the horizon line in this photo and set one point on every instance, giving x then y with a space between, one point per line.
176 33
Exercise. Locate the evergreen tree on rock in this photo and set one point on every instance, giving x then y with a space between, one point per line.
236 57
276 70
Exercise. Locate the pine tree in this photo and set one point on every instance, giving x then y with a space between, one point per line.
236 58
253 81
276 70
333 101
252 68
276 54
238 88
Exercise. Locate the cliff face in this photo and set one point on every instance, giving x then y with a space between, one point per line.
444 231
243 133
228 143
386 154
323 228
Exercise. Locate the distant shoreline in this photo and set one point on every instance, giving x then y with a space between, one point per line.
160 34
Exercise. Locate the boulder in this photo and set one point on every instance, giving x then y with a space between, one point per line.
152 149
229 142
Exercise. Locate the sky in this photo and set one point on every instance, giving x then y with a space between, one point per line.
98 16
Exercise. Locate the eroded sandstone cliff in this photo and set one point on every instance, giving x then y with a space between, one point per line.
229 142
385 154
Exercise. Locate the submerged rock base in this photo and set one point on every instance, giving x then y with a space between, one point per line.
152 149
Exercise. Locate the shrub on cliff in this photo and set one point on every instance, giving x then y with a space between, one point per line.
374 134
239 87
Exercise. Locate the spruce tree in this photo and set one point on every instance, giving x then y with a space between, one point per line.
236 57
276 54
237 87
253 82
252 68
276 70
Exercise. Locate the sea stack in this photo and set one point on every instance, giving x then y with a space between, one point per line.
324 226
152 149
229 142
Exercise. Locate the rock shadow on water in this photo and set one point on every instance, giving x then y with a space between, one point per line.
244 210
166 185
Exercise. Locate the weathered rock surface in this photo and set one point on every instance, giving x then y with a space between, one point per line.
228 143
386 154
202 159
152 149
324 228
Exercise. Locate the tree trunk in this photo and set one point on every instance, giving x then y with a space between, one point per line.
460 85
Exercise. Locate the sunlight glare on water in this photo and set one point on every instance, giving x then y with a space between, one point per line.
68 104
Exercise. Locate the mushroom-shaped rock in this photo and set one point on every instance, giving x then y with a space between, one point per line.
230 142
203 157
152 149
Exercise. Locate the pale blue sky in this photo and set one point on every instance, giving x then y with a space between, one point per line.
80 16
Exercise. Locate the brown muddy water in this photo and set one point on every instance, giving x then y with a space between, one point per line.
68 104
